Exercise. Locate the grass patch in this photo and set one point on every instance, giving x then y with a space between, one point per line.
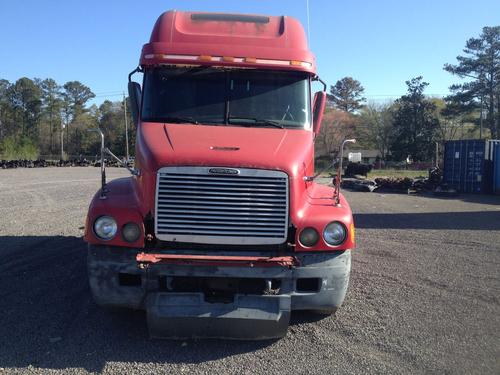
12 148
397 173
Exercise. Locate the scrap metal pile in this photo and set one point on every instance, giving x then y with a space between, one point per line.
357 169
399 184
41 163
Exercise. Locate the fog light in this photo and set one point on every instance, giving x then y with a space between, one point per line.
105 228
309 237
335 233
131 232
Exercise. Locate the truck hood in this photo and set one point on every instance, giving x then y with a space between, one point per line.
289 150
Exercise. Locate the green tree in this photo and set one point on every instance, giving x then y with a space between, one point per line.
75 97
415 123
347 95
335 127
24 98
4 107
31 112
454 122
52 104
481 66
76 94
377 122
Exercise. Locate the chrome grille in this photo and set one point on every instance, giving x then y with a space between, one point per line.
221 205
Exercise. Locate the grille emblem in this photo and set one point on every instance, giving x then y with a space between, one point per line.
223 171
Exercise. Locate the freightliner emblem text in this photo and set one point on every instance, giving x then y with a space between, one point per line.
223 171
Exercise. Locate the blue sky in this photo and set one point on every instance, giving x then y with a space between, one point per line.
381 43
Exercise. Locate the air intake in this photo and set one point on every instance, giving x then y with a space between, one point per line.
213 205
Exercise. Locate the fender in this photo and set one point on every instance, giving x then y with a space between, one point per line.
318 210
122 203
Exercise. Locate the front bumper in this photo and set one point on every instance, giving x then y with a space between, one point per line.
318 283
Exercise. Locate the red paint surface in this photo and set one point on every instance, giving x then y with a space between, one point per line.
159 145
282 38
122 203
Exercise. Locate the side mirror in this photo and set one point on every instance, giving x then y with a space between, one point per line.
134 94
319 103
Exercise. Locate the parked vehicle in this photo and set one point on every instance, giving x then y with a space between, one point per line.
221 231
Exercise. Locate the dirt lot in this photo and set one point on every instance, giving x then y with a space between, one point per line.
424 294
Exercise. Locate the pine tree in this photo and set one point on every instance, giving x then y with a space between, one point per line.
347 95
481 66
415 123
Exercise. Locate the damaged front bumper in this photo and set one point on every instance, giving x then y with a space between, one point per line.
234 297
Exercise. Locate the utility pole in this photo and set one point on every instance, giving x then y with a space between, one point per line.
308 30
62 138
126 126
437 154
481 119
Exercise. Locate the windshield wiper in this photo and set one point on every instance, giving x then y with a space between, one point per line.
173 119
180 119
256 121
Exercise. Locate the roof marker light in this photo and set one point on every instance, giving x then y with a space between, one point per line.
252 60
181 57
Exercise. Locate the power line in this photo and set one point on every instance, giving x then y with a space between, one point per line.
107 96
399 95
108 92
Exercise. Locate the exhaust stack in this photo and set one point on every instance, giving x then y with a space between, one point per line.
339 171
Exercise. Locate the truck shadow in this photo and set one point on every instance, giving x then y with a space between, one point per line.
473 220
464 197
50 321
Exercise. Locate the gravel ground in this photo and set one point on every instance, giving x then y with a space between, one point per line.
424 294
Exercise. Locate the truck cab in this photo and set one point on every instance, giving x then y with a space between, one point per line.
222 231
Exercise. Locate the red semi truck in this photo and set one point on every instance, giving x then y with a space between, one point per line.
221 231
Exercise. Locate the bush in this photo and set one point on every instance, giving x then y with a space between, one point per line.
24 148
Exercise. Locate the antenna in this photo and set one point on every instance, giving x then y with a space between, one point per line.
308 30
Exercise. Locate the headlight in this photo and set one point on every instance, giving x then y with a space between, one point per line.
335 233
105 227
131 232
309 237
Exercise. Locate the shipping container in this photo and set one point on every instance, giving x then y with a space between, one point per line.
496 167
464 165
489 166
469 165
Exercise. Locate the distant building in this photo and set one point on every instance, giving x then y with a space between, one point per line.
367 156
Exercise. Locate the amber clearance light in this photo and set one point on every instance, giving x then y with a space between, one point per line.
209 58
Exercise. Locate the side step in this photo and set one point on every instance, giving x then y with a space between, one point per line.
188 315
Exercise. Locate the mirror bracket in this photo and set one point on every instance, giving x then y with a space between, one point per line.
316 78
136 70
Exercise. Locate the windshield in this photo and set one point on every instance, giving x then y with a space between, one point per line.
232 97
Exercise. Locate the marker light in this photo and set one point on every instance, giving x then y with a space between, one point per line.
131 232
105 227
252 60
309 237
335 233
